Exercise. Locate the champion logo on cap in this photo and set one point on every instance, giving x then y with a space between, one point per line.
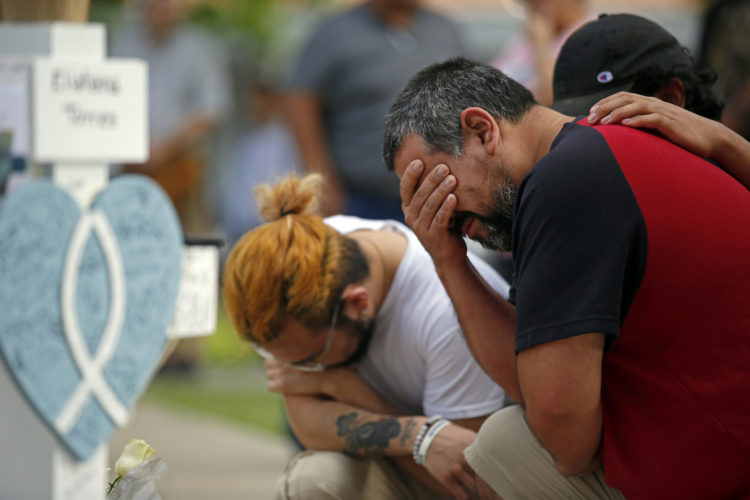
604 77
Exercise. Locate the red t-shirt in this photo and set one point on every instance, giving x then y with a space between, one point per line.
621 232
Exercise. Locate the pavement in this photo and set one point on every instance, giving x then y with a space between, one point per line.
207 458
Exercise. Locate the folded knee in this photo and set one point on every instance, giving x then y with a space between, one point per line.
319 475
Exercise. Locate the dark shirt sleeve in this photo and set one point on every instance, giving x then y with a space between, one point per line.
579 243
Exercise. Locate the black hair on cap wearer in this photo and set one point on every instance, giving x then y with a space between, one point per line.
607 55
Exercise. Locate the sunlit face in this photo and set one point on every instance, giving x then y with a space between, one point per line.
484 193
343 344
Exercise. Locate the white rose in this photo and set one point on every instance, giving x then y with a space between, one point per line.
135 452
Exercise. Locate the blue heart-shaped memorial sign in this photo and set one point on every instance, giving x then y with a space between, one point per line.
87 297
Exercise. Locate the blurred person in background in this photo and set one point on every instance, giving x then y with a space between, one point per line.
360 338
724 48
530 57
346 76
262 150
188 96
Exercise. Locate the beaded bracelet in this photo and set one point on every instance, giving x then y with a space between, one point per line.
427 439
420 436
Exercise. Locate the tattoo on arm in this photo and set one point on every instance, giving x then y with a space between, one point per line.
366 438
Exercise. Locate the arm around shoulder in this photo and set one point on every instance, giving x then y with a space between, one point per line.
702 136
732 152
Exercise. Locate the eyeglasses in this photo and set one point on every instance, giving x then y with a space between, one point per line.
307 365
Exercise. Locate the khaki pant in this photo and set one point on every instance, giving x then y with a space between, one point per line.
509 458
328 475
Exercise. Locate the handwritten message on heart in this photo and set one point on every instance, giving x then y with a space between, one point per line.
86 297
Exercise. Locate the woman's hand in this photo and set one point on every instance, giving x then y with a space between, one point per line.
699 135
686 129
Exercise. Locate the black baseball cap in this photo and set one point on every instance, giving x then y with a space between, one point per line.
607 55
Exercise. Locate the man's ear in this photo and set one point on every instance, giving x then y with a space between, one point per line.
356 299
673 92
478 123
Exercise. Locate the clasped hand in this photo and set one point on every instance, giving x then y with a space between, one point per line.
445 461
284 379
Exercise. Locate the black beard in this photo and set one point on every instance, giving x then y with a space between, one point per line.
364 331
499 224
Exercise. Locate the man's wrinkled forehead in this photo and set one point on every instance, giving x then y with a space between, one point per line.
413 148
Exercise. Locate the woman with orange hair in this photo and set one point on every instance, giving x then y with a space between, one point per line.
361 339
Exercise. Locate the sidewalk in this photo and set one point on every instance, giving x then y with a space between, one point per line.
207 458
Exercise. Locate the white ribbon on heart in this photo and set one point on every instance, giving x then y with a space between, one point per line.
92 380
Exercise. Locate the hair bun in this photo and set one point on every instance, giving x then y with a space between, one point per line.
292 195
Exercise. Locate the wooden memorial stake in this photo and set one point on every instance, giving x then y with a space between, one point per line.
35 465
77 99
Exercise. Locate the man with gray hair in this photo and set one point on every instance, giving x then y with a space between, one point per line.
610 229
